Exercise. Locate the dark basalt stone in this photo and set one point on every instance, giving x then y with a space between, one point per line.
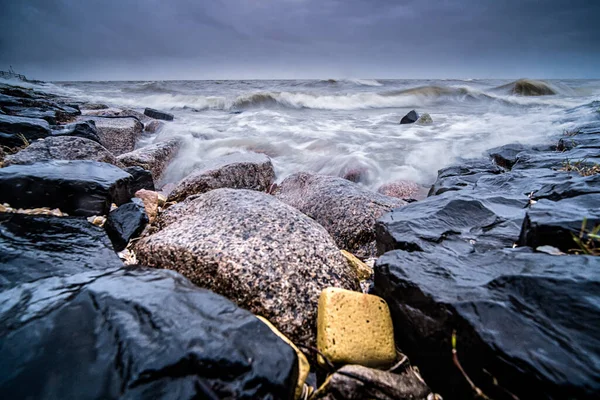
47 115
156 114
78 187
84 327
84 129
410 118
555 223
464 175
529 320
142 179
30 128
38 247
125 223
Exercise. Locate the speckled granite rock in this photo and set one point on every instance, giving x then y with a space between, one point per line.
118 135
238 171
348 211
403 190
62 148
153 158
259 252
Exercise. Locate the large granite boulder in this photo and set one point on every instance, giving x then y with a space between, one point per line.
82 326
529 320
118 135
260 253
76 187
153 158
62 148
238 171
14 130
347 210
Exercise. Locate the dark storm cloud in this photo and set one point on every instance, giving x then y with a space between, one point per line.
158 39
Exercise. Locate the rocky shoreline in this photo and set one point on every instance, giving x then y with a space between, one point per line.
114 284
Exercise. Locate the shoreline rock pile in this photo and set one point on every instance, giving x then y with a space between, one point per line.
225 285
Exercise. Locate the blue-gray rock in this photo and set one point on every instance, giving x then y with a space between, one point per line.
33 112
410 118
125 223
83 129
156 114
14 129
82 326
79 187
142 179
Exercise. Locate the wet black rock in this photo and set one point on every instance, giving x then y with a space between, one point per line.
156 114
555 223
528 319
14 129
125 223
32 112
410 118
37 247
84 327
557 159
79 187
142 179
83 129
463 175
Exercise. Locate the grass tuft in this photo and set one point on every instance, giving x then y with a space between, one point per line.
582 167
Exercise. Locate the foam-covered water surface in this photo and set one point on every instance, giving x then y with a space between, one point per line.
333 126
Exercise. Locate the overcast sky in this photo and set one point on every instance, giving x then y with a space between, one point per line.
243 39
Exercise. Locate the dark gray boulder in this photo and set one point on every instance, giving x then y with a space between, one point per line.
79 187
61 148
529 320
14 129
556 223
153 158
347 210
83 129
463 175
156 114
410 118
82 326
262 254
38 247
142 179
32 112
125 223
238 171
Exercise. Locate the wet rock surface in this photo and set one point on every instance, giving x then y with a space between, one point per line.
84 129
62 148
410 118
156 114
153 158
142 179
257 251
125 223
78 187
237 171
14 130
87 328
348 211
118 135
526 320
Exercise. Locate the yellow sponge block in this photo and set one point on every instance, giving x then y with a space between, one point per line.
355 328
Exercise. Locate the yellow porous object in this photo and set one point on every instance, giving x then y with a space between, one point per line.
303 365
363 271
355 328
